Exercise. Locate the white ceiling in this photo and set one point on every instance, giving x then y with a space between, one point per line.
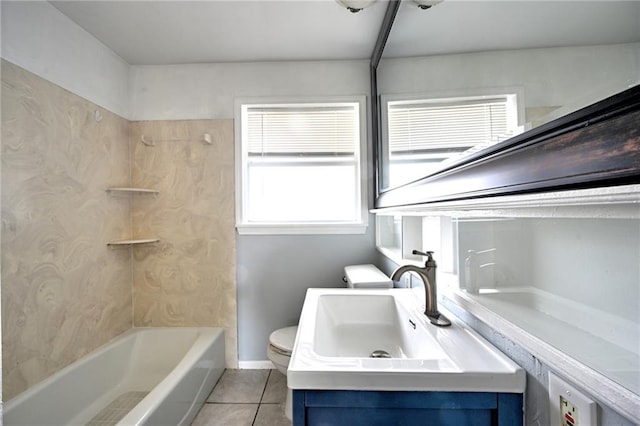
456 26
182 31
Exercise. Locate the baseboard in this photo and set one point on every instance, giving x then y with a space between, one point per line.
255 365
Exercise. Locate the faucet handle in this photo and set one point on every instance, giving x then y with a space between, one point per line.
430 261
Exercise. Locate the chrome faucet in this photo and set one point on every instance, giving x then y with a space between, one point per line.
428 277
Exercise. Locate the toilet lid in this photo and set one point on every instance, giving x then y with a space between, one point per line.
284 338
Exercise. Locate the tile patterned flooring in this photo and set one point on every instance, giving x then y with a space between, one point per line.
246 398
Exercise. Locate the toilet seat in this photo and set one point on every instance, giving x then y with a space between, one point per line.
281 341
279 352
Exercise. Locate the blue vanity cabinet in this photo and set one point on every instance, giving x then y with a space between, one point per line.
382 408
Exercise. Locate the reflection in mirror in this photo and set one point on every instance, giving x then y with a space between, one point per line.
425 134
464 75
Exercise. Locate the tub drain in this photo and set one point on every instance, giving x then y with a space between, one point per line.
380 354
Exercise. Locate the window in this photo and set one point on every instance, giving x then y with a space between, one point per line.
423 134
299 167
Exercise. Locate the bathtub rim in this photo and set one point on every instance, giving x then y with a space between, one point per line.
143 410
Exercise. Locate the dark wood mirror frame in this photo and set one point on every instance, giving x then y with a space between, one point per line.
593 147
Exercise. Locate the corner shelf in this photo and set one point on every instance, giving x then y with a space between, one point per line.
133 190
137 241
123 243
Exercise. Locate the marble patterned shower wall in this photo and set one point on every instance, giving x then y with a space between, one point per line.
188 278
64 292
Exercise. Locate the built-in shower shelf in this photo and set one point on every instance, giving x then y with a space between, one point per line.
133 190
123 243
136 241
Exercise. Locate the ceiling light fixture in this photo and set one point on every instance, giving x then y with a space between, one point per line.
355 6
426 4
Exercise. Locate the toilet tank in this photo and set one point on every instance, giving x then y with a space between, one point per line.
366 276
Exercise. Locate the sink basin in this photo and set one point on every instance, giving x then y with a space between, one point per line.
354 325
340 330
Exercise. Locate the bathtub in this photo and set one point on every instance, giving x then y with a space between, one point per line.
146 376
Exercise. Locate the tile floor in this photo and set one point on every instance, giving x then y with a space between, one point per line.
246 398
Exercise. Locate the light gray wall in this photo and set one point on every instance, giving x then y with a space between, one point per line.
595 262
39 38
512 258
545 76
274 273
175 92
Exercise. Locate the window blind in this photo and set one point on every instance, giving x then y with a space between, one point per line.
321 130
445 127
300 167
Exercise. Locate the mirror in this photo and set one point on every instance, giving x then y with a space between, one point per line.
504 66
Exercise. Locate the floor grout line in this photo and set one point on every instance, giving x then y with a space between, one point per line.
264 390
258 404
265 386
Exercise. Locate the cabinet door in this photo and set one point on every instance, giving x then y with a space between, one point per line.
381 408
333 416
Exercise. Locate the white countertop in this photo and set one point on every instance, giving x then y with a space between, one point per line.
339 328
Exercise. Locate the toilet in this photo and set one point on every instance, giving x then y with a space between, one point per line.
279 352
282 340
280 347
366 276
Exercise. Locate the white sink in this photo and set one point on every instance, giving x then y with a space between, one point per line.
356 325
339 330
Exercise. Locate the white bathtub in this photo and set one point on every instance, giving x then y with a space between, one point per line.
146 376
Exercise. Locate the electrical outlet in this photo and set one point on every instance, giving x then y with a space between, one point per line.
569 413
568 406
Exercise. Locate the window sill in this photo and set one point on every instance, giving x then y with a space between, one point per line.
306 229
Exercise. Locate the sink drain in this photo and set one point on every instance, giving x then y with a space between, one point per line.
380 354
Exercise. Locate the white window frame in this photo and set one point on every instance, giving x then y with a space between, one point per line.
245 227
